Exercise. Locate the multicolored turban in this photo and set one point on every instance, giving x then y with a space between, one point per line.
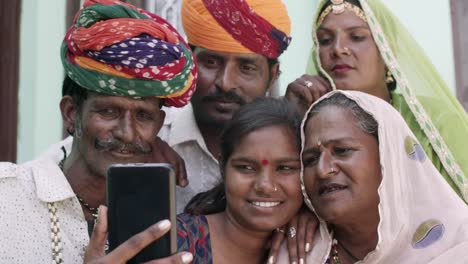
117 49
240 26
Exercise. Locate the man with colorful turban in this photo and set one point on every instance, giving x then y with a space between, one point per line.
122 65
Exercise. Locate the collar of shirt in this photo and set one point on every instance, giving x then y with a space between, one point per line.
184 128
51 183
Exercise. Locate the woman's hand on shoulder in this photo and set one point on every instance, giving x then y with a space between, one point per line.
299 233
95 253
305 90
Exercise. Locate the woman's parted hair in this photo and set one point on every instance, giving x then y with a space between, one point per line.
354 2
365 121
261 113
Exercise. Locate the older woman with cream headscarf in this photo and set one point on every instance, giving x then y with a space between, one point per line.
378 197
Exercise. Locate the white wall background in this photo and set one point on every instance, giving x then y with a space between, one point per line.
430 23
41 74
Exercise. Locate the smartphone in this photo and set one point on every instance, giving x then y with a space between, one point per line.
138 196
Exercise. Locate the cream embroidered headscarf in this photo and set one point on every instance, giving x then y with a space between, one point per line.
422 220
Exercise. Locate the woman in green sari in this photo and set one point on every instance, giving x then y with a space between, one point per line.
360 45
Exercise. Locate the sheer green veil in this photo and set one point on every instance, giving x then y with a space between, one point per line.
437 111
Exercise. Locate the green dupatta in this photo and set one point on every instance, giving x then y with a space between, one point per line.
422 96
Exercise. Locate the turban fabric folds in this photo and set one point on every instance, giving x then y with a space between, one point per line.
240 26
117 49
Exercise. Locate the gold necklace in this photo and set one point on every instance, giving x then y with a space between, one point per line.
93 210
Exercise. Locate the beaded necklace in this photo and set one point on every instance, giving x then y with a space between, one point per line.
57 256
333 258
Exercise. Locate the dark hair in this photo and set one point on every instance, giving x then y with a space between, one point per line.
271 61
261 113
365 121
328 3
77 92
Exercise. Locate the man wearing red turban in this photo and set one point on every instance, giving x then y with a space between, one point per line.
236 44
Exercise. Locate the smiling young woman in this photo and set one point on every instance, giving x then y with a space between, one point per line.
260 191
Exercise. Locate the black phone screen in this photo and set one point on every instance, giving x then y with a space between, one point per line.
138 196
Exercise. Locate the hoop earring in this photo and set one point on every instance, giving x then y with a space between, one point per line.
389 78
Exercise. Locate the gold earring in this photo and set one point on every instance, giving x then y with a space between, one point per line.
389 78
70 131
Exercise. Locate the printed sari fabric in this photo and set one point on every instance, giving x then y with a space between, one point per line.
193 236
435 116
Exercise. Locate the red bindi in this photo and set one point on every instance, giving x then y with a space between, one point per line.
264 162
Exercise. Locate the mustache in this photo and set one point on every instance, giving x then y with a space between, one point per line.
113 144
225 96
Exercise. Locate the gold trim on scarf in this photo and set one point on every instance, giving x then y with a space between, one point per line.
422 117
338 7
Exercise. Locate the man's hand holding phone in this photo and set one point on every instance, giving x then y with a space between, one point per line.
95 253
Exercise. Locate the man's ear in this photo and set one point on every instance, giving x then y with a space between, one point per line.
69 113
162 116
274 74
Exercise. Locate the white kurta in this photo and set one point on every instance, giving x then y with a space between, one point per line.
25 233
181 132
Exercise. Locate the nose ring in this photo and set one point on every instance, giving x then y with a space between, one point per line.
347 51
332 171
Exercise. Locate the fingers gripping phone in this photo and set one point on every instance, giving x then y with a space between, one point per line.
138 196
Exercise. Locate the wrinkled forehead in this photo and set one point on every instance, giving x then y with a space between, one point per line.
330 123
151 103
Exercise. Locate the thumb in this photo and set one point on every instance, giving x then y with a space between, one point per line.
97 243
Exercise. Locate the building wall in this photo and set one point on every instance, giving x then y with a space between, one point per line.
431 25
41 75
43 28
460 18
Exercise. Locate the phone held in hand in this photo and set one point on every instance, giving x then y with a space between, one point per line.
138 196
